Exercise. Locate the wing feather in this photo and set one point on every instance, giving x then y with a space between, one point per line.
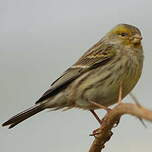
94 57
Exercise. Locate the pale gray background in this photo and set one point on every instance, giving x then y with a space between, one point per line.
38 41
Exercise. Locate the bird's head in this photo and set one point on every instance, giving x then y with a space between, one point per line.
125 34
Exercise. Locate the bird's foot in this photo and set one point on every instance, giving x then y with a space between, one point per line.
95 132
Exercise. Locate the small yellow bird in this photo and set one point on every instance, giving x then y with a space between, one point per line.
110 68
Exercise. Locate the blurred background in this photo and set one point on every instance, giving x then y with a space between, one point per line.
38 41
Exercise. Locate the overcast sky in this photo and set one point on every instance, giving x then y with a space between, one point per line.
38 41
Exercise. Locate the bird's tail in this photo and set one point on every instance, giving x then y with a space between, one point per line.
24 115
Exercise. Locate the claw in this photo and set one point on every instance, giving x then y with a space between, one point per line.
95 132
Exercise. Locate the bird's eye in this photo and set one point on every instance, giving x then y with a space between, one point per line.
123 34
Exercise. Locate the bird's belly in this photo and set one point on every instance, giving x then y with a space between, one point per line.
103 94
105 90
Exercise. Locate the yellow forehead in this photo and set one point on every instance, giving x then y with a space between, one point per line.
125 28
121 29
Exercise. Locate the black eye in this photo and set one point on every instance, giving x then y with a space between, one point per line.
123 34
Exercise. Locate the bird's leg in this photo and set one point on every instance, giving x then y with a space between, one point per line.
119 101
120 95
100 106
95 132
96 116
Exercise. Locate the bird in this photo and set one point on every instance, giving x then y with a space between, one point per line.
105 74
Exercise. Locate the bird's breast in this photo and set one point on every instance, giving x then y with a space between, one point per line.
103 83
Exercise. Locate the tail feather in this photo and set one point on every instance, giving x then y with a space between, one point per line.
24 115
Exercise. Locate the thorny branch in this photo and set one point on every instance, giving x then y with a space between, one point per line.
104 133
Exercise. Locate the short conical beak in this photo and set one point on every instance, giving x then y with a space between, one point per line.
136 39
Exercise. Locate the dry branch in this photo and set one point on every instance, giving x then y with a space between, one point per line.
104 133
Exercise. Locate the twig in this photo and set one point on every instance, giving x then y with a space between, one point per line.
104 133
